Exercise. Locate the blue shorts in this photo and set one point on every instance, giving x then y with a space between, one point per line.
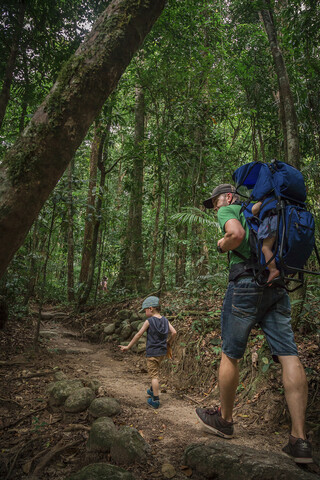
268 227
246 305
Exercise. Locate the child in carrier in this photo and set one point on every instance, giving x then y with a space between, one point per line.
267 233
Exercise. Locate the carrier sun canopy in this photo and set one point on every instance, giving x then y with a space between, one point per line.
277 178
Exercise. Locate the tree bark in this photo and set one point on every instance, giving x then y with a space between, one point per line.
8 75
34 165
90 210
291 134
70 260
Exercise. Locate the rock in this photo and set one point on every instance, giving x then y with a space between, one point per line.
129 447
236 462
101 471
60 391
60 375
123 314
140 325
140 347
134 317
126 331
135 325
79 400
168 470
102 435
110 329
104 407
92 383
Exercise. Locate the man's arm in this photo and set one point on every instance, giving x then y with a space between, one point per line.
139 334
234 235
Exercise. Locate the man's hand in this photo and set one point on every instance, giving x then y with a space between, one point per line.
123 348
219 245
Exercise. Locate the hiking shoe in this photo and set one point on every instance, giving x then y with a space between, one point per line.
300 451
153 403
150 392
214 423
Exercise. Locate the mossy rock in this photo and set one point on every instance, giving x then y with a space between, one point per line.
110 329
129 447
134 317
102 435
61 390
104 407
135 325
126 331
92 383
101 471
123 314
79 400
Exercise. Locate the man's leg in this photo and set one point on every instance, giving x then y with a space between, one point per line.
228 383
296 393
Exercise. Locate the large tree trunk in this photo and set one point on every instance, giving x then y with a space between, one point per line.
33 166
8 75
290 126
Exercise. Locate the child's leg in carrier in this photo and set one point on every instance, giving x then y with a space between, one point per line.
268 253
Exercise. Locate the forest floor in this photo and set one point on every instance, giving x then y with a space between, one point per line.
35 439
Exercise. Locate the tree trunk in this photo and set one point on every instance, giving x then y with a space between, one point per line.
70 260
162 284
155 239
8 75
132 274
35 163
102 158
91 200
290 119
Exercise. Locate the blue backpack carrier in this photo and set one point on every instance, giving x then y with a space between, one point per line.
281 189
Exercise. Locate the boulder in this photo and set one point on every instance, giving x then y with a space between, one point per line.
102 435
92 383
134 317
126 331
104 407
135 325
61 390
129 447
109 329
219 460
101 471
79 400
123 314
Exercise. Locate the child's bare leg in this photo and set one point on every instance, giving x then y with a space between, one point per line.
155 386
268 253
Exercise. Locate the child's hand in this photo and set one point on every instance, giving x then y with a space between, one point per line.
123 348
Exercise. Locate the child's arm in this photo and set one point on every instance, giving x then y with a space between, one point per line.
139 334
173 333
255 208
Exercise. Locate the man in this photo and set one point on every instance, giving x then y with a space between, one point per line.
244 306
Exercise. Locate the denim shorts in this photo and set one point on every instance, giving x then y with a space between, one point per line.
246 305
268 227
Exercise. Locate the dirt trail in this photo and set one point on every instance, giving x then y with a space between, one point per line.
122 375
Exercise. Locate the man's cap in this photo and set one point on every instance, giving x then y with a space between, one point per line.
150 302
223 188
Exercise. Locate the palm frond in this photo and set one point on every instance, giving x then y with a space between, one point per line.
192 216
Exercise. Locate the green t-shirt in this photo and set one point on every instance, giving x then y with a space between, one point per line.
225 214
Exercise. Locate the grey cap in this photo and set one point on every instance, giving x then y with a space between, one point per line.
150 302
223 188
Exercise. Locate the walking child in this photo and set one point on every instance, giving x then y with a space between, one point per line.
267 232
160 336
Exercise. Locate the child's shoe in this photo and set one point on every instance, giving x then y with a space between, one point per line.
150 392
153 403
